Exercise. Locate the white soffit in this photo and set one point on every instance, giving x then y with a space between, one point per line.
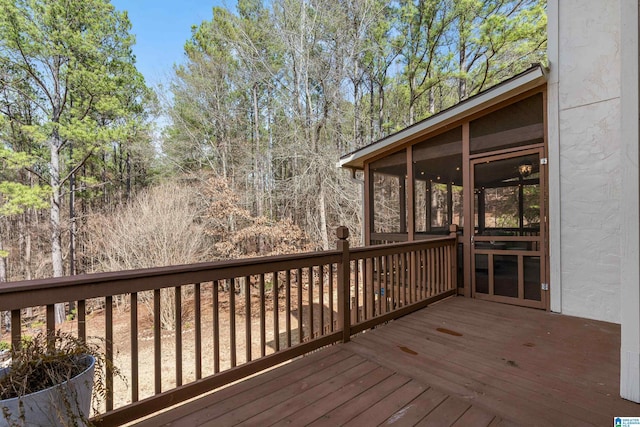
514 86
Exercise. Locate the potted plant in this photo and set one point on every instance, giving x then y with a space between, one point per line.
50 381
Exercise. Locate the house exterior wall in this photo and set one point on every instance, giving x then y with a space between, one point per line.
594 155
584 125
630 245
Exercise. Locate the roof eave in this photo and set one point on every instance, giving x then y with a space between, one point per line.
528 80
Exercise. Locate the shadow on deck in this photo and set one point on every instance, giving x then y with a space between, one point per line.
459 362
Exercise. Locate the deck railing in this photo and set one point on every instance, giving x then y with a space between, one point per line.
178 332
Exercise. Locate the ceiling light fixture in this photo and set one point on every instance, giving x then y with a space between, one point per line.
525 169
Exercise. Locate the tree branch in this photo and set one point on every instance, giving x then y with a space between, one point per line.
78 166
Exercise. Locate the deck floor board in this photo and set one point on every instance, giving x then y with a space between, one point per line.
532 366
417 409
311 413
279 394
455 381
459 362
354 407
505 374
294 404
450 410
388 406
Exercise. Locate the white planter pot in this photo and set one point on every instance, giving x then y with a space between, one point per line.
65 404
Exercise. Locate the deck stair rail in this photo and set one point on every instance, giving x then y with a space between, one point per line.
181 331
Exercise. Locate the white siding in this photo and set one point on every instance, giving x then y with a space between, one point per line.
584 99
630 204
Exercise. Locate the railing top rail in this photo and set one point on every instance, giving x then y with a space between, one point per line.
71 288
478 238
393 248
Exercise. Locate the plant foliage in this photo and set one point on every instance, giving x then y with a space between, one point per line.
46 360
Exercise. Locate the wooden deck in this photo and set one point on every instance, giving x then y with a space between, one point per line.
460 362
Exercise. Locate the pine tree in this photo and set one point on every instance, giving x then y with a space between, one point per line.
71 60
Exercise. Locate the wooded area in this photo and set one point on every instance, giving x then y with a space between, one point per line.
269 96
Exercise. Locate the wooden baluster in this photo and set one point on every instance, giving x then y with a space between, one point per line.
376 286
82 320
133 313
431 269
321 297
310 312
157 357
108 317
331 308
287 281
403 272
178 334
276 320
51 323
423 274
395 298
384 289
216 328
442 270
357 291
232 322
263 326
365 289
247 315
453 232
16 329
198 330
300 308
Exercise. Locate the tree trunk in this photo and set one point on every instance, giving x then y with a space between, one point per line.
56 228
380 110
56 199
257 172
128 183
372 132
3 264
105 196
462 80
72 219
356 106
31 220
324 235
22 240
6 316
72 227
412 100
432 100
26 255
270 172
27 249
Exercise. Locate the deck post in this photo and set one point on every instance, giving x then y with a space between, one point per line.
344 279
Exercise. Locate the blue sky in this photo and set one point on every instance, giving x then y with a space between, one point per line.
161 28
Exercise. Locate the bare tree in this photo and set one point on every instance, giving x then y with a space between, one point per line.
159 227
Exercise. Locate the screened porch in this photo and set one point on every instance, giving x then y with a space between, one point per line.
483 169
